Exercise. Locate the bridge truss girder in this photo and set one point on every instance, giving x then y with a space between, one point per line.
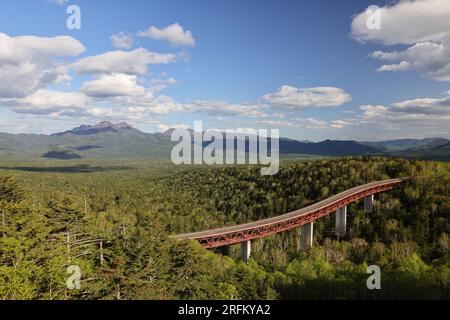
262 231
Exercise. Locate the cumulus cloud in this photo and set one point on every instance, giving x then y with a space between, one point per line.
59 104
402 66
294 98
113 85
373 111
118 89
122 40
422 25
47 102
127 62
30 62
410 118
425 106
174 34
18 49
154 105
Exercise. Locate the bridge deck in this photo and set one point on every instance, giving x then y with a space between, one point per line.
297 213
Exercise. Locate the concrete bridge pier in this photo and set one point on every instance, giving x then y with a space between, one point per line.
368 204
246 248
306 235
341 222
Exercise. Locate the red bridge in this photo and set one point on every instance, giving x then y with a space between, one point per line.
304 218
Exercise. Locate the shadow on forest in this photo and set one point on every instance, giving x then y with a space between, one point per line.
69 169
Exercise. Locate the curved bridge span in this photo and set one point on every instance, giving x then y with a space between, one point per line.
304 218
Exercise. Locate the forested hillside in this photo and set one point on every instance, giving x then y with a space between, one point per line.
115 222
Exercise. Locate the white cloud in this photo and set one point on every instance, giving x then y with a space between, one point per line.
295 98
312 123
122 40
407 22
47 102
58 104
128 62
425 106
308 123
161 84
136 108
402 66
27 77
18 49
423 25
154 105
116 97
339 124
373 111
23 79
214 108
30 62
419 118
113 85
174 34
277 123
164 127
316 124
59 2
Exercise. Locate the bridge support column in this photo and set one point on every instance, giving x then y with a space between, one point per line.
368 204
246 248
306 235
341 221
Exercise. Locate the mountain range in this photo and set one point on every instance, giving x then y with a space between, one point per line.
107 139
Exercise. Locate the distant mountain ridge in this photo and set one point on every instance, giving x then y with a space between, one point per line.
104 126
326 148
109 140
104 140
404 144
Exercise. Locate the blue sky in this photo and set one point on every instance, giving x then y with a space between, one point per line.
308 68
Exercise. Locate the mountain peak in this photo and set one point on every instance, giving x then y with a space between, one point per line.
124 125
103 126
118 126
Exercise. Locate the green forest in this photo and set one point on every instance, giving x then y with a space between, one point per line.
114 220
